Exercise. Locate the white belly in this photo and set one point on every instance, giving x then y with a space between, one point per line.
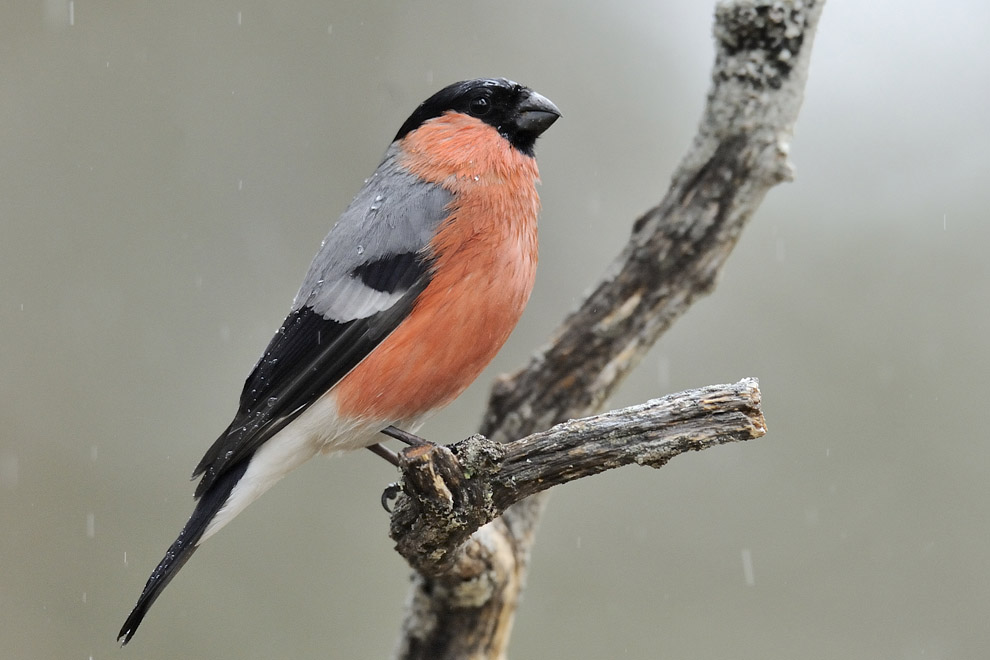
318 429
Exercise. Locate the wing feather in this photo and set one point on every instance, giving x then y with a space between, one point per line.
362 283
316 353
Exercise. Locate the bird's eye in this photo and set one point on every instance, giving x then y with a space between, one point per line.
479 106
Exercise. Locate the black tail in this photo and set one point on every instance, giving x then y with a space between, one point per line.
183 548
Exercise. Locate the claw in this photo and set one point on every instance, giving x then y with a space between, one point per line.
390 493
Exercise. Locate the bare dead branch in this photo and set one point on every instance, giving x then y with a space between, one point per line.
451 491
674 255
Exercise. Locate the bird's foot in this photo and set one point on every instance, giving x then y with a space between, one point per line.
389 494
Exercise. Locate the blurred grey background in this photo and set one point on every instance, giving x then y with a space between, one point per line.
167 170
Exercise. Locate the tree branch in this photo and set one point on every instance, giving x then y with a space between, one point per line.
451 491
674 255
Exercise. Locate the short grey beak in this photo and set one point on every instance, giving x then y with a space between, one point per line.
536 114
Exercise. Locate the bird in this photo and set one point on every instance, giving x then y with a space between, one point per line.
412 293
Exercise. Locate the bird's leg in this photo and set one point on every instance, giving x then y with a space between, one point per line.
385 452
392 490
404 436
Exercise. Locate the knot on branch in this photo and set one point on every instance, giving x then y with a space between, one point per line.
446 496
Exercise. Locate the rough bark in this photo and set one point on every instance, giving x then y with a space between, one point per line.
465 594
451 491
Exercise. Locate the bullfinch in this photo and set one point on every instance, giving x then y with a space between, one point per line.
412 293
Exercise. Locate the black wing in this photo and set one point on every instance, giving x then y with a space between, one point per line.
305 358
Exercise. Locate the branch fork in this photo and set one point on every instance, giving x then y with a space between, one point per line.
449 492
470 562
